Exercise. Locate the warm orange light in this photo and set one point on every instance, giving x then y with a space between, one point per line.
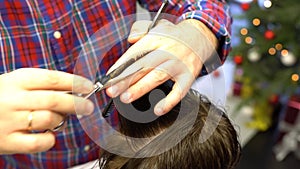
278 46
256 22
272 51
284 52
295 77
248 40
244 31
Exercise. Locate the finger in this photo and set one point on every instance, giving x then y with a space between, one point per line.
144 45
52 101
43 79
117 88
138 30
179 90
43 120
148 62
22 142
153 79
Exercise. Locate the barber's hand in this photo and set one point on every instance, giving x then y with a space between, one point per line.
177 52
37 94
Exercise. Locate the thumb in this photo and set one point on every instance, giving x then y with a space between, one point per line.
138 30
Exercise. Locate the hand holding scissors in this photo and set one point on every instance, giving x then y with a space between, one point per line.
118 74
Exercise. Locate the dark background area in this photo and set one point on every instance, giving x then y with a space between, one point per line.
258 153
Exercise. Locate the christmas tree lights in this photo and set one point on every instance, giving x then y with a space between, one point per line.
269 51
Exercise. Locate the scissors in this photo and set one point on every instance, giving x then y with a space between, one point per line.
118 73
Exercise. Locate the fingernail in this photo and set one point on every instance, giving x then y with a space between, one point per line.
126 97
158 111
89 107
113 90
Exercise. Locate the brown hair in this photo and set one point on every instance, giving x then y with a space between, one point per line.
221 150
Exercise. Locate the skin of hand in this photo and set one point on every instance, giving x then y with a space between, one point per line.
39 92
177 52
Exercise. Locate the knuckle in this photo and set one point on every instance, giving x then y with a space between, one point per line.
52 78
160 76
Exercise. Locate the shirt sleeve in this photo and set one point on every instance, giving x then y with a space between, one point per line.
215 14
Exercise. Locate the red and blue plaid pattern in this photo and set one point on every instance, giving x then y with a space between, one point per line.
27 40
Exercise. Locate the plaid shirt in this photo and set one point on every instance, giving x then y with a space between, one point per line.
51 34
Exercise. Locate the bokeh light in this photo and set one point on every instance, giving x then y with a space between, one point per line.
284 52
267 4
278 46
256 22
272 51
244 31
248 40
295 77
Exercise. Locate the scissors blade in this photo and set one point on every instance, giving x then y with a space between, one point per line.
128 72
157 16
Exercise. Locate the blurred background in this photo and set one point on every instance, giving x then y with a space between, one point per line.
264 95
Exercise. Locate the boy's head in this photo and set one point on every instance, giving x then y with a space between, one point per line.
220 150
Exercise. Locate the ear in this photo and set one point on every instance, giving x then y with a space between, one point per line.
138 30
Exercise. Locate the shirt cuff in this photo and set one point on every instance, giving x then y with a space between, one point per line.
220 30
